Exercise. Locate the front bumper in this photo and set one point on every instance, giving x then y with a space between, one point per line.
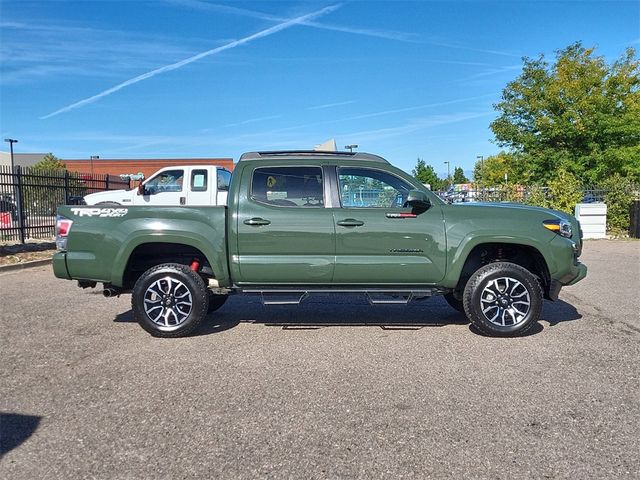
582 272
556 285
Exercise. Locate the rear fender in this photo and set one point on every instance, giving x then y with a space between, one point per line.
215 255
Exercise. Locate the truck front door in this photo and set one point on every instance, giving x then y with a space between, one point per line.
285 233
377 240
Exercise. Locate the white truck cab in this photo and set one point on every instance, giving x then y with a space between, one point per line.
195 185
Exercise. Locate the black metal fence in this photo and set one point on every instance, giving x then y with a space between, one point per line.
29 198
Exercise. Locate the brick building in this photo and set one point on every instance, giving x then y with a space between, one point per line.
144 166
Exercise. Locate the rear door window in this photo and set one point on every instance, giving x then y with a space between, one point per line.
288 186
199 181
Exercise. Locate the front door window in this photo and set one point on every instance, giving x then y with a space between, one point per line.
367 188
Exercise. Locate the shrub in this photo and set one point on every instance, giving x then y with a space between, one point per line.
618 199
537 195
565 192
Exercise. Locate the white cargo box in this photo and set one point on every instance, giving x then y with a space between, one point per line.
593 219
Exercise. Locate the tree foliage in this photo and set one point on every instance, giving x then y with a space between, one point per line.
492 170
426 174
459 176
579 114
50 162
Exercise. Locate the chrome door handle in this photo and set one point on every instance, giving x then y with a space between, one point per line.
256 221
350 222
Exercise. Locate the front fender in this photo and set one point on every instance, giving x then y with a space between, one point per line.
459 252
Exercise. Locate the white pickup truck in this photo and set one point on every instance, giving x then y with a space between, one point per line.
196 185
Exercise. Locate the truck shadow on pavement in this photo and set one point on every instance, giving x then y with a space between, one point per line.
15 429
353 311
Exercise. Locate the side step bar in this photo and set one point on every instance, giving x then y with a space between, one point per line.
375 295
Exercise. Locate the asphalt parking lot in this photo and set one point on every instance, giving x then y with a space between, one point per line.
331 389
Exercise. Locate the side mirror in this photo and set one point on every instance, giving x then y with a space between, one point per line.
418 201
142 190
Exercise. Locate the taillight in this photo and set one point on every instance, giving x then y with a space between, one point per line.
63 225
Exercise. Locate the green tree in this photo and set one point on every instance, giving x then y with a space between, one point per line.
492 170
578 113
458 176
426 174
50 162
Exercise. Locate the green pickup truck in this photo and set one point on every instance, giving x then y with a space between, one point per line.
305 222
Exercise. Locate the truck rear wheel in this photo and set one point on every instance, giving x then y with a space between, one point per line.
169 300
503 299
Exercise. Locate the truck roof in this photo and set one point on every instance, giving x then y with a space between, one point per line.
297 154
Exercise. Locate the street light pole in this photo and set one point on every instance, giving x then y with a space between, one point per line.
479 181
11 141
481 158
16 191
448 172
91 159
351 147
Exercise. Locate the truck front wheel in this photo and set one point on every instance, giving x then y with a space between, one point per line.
503 299
169 300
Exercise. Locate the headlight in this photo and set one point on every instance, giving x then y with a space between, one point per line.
561 227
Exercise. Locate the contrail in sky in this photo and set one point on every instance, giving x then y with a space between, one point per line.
186 61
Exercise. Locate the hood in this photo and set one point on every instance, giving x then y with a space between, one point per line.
504 207
516 206
106 196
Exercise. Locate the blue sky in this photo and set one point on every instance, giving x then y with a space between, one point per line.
195 78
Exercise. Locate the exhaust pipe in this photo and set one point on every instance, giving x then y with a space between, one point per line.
109 292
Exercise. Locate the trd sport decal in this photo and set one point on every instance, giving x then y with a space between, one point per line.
100 212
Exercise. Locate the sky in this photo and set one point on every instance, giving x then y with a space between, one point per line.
196 78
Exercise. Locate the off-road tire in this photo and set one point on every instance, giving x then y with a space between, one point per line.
216 301
182 279
454 302
484 281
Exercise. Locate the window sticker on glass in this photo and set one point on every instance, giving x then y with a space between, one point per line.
198 181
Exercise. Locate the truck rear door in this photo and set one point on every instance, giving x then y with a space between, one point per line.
285 233
200 186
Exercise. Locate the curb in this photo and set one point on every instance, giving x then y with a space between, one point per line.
22 266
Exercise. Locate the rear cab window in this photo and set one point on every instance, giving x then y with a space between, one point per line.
288 186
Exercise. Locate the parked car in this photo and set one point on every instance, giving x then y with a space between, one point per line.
7 206
196 185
